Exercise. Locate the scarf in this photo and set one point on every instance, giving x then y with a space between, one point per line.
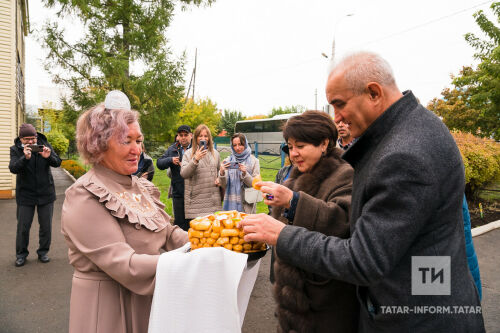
232 199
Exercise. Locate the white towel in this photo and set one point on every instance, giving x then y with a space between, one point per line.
206 290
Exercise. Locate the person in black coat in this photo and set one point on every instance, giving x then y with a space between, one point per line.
145 167
31 157
172 159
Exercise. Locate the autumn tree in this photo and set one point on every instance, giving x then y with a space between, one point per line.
477 89
228 120
196 112
455 110
123 46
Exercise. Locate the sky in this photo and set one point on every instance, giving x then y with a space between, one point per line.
253 55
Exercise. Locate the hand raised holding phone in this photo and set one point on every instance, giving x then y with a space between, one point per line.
201 150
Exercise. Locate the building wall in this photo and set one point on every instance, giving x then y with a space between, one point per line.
13 28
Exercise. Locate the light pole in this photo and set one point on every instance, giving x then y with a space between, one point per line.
334 33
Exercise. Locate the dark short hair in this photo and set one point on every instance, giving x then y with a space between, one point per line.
312 127
242 138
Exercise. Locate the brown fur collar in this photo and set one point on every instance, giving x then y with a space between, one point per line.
310 182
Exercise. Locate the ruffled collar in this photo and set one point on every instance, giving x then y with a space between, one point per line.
114 176
133 199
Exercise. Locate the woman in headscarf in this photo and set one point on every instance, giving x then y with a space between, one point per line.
237 173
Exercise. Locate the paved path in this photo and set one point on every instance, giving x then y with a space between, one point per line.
35 298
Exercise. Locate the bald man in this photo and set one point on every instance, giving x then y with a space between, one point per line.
406 252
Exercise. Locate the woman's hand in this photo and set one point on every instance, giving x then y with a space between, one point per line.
217 182
243 169
281 194
261 228
199 154
223 167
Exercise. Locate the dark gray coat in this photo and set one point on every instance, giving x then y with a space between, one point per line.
407 201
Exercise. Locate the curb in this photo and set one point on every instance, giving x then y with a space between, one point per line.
69 175
478 231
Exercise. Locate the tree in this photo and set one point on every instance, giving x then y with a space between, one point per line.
286 109
119 35
228 120
483 83
257 116
455 110
194 113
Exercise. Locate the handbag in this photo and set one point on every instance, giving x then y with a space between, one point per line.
252 195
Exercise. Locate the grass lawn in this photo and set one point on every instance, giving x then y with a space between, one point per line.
491 192
269 166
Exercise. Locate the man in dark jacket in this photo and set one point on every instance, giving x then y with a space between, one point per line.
31 157
406 252
172 159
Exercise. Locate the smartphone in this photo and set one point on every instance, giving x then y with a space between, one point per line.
36 148
234 165
203 144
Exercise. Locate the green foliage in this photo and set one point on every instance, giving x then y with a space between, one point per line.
227 121
482 84
118 36
481 158
58 141
73 168
194 113
287 109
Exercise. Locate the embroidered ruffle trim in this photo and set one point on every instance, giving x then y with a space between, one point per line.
157 221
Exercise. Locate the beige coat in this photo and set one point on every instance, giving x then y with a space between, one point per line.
115 227
246 182
201 195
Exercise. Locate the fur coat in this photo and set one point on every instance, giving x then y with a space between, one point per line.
308 302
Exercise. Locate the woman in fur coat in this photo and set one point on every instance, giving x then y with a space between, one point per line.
317 196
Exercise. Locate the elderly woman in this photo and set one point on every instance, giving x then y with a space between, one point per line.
317 196
236 174
200 168
115 227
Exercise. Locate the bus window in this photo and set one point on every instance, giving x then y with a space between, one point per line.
258 127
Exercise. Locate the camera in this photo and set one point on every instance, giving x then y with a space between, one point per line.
203 144
36 148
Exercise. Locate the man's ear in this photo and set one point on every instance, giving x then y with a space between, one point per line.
374 90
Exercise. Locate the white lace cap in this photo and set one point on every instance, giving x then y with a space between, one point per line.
115 99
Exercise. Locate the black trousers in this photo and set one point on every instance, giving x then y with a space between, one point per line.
25 216
179 217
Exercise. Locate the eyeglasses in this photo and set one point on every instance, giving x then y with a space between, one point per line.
29 138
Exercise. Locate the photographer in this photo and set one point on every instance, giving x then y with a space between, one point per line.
172 159
31 157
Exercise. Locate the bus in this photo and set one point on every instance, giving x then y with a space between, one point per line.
266 132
